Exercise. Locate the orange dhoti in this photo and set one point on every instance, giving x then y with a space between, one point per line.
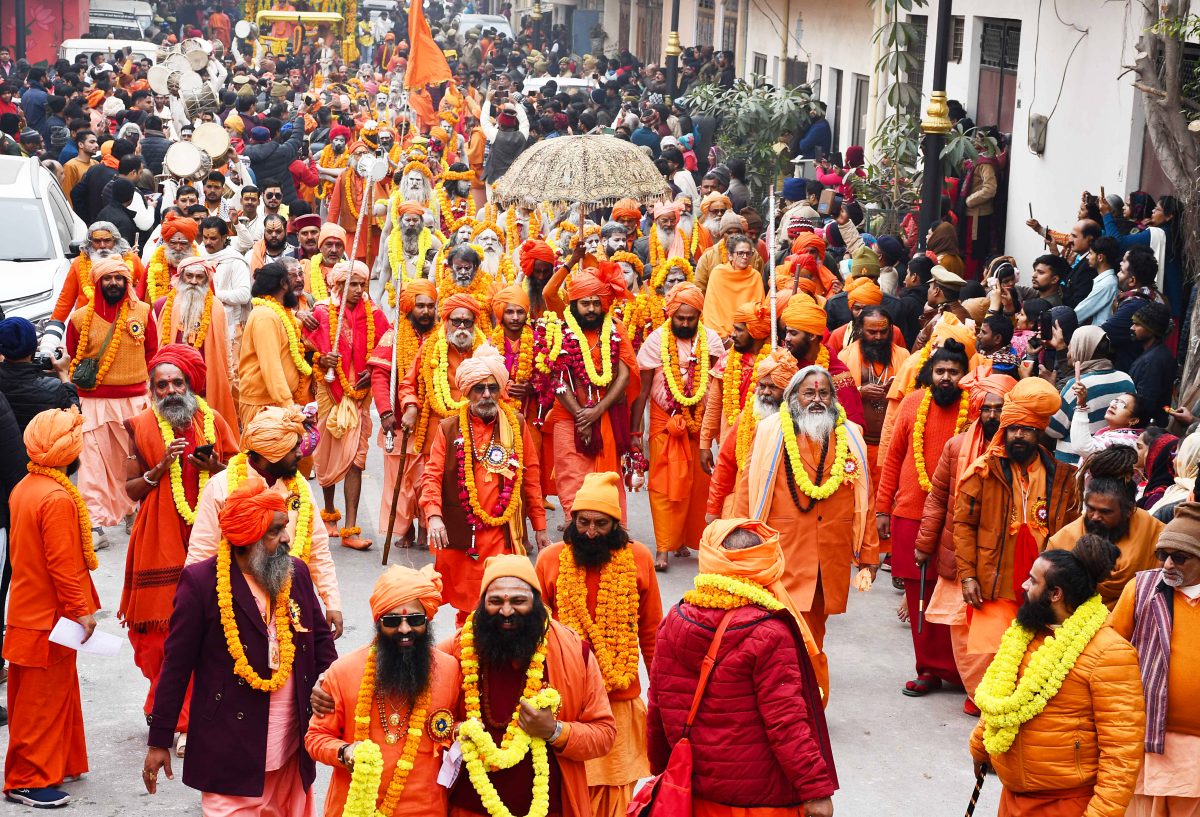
707 808
611 778
148 656
1057 803
570 466
46 741
335 454
678 485
406 501
106 447
946 606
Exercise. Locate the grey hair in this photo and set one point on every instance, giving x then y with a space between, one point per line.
793 386
741 539
120 245
611 227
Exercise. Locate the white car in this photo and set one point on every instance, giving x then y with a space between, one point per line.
478 22
39 230
69 49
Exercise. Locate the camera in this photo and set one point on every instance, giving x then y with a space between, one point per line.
45 361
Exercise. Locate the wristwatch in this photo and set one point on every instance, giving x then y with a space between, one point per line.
341 757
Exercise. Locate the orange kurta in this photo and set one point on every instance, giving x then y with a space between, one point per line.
267 375
50 581
727 290
72 295
414 464
421 797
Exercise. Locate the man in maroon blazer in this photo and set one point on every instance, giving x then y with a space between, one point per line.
249 711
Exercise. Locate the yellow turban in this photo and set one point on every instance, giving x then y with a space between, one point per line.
803 315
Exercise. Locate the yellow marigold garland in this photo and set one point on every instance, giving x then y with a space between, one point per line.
671 368
655 252
283 628
468 468
83 273
164 328
436 373
624 257
158 275
187 512
747 425
659 277
613 633
918 433
718 592
330 161
81 511
512 230
553 343
348 387
1008 702
446 207
837 474
399 261
291 328
85 333
731 386
316 279
475 739
300 502
524 365
602 378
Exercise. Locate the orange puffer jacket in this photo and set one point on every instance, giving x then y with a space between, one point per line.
1089 734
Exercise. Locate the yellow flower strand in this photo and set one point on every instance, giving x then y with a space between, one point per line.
330 161
604 377
165 321
436 373
523 369
837 474
469 458
613 633
918 433
1005 701
732 400
348 388
659 277
718 592
186 511
158 275
283 629
747 425
316 279
291 328
446 207
399 261
671 367
81 510
474 738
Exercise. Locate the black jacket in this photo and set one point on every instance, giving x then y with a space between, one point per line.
908 313
506 147
154 147
12 458
271 161
837 309
30 391
86 195
121 218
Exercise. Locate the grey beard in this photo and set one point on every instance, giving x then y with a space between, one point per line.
486 410
416 194
713 225
100 255
461 339
270 571
173 257
462 279
664 237
816 426
411 236
765 406
178 409
189 304
1172 579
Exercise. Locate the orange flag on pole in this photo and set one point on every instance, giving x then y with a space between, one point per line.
426 63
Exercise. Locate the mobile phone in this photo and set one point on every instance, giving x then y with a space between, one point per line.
1031 211
203 452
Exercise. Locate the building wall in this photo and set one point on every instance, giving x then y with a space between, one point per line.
47 23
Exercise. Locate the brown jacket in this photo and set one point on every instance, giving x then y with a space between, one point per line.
936 536
1089 735
983 546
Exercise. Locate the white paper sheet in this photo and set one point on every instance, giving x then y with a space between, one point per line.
69 633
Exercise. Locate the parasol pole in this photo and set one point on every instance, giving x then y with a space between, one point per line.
389 441
368 183
771 262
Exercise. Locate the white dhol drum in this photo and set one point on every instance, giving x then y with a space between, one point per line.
165 51
157 77
211 138
184 160
176 62
194 52
199 100
241 29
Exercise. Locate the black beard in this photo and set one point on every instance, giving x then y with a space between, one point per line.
113 295
946 396
73 467
499 647
422 323
747 347
290 299
275 249
1114 534
990 428
594 551
1036 614
684 332
587 322
279 470
876 351
1019 451
403 672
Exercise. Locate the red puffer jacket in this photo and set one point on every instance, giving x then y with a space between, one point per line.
755 741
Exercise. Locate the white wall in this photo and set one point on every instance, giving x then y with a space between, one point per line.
1089 137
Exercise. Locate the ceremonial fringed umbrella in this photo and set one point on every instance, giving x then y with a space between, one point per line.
595 171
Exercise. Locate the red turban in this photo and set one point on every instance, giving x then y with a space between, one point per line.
298 223
535 250
408 295
511 294
189 361
803 262
685 294
410 207
757 317
979 385
339 130
400 585
459 300
248 513
863 291
626 208
605 280
174 224
807 241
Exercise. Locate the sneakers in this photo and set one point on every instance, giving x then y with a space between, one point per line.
99 539
39 798
3 716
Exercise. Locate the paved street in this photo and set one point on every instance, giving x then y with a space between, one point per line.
896 756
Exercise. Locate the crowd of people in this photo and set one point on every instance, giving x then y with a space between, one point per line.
806 404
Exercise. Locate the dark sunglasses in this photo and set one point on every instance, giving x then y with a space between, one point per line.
393 620
1178 557
485 388
272 195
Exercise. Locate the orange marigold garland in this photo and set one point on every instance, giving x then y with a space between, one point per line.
732 398
613 633
81 511
283 628
918 433
85 332
348 387
165 321
520 367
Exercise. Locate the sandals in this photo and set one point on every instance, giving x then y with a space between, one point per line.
181 744
922 685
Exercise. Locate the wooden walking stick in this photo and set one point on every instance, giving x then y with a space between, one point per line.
979 775
387 543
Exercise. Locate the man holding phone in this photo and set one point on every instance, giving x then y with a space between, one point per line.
176 446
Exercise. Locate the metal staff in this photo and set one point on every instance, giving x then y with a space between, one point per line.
387 543
921 603
771 261
975 794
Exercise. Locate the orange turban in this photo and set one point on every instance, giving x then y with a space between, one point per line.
174 224
107 266
803 315
248 513
863 291
511 294
509 565
761 564
459 300
409 207
685 294
485 362
342 270
780 365
439 133
274 432
979 385
400 585
535 250
757 317
418 286
806 241
949 326
330 230
1032 402
606 280
54 437
95 98
708 201
626 208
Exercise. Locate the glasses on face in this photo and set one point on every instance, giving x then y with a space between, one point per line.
393 620
1175 556
740 253
462 323
480 389
272 195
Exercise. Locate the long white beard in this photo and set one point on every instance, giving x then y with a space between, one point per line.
713 225
173 257
764 409
100 255
817 426
491 263
461 339
419 194
665 237
189 305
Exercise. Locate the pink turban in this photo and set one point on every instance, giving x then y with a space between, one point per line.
342 270
330 230
667 208
484 363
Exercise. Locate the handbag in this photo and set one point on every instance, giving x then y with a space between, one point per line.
88 369
670 793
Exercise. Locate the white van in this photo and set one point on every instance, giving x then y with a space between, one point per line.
478 22
70 48
140 10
